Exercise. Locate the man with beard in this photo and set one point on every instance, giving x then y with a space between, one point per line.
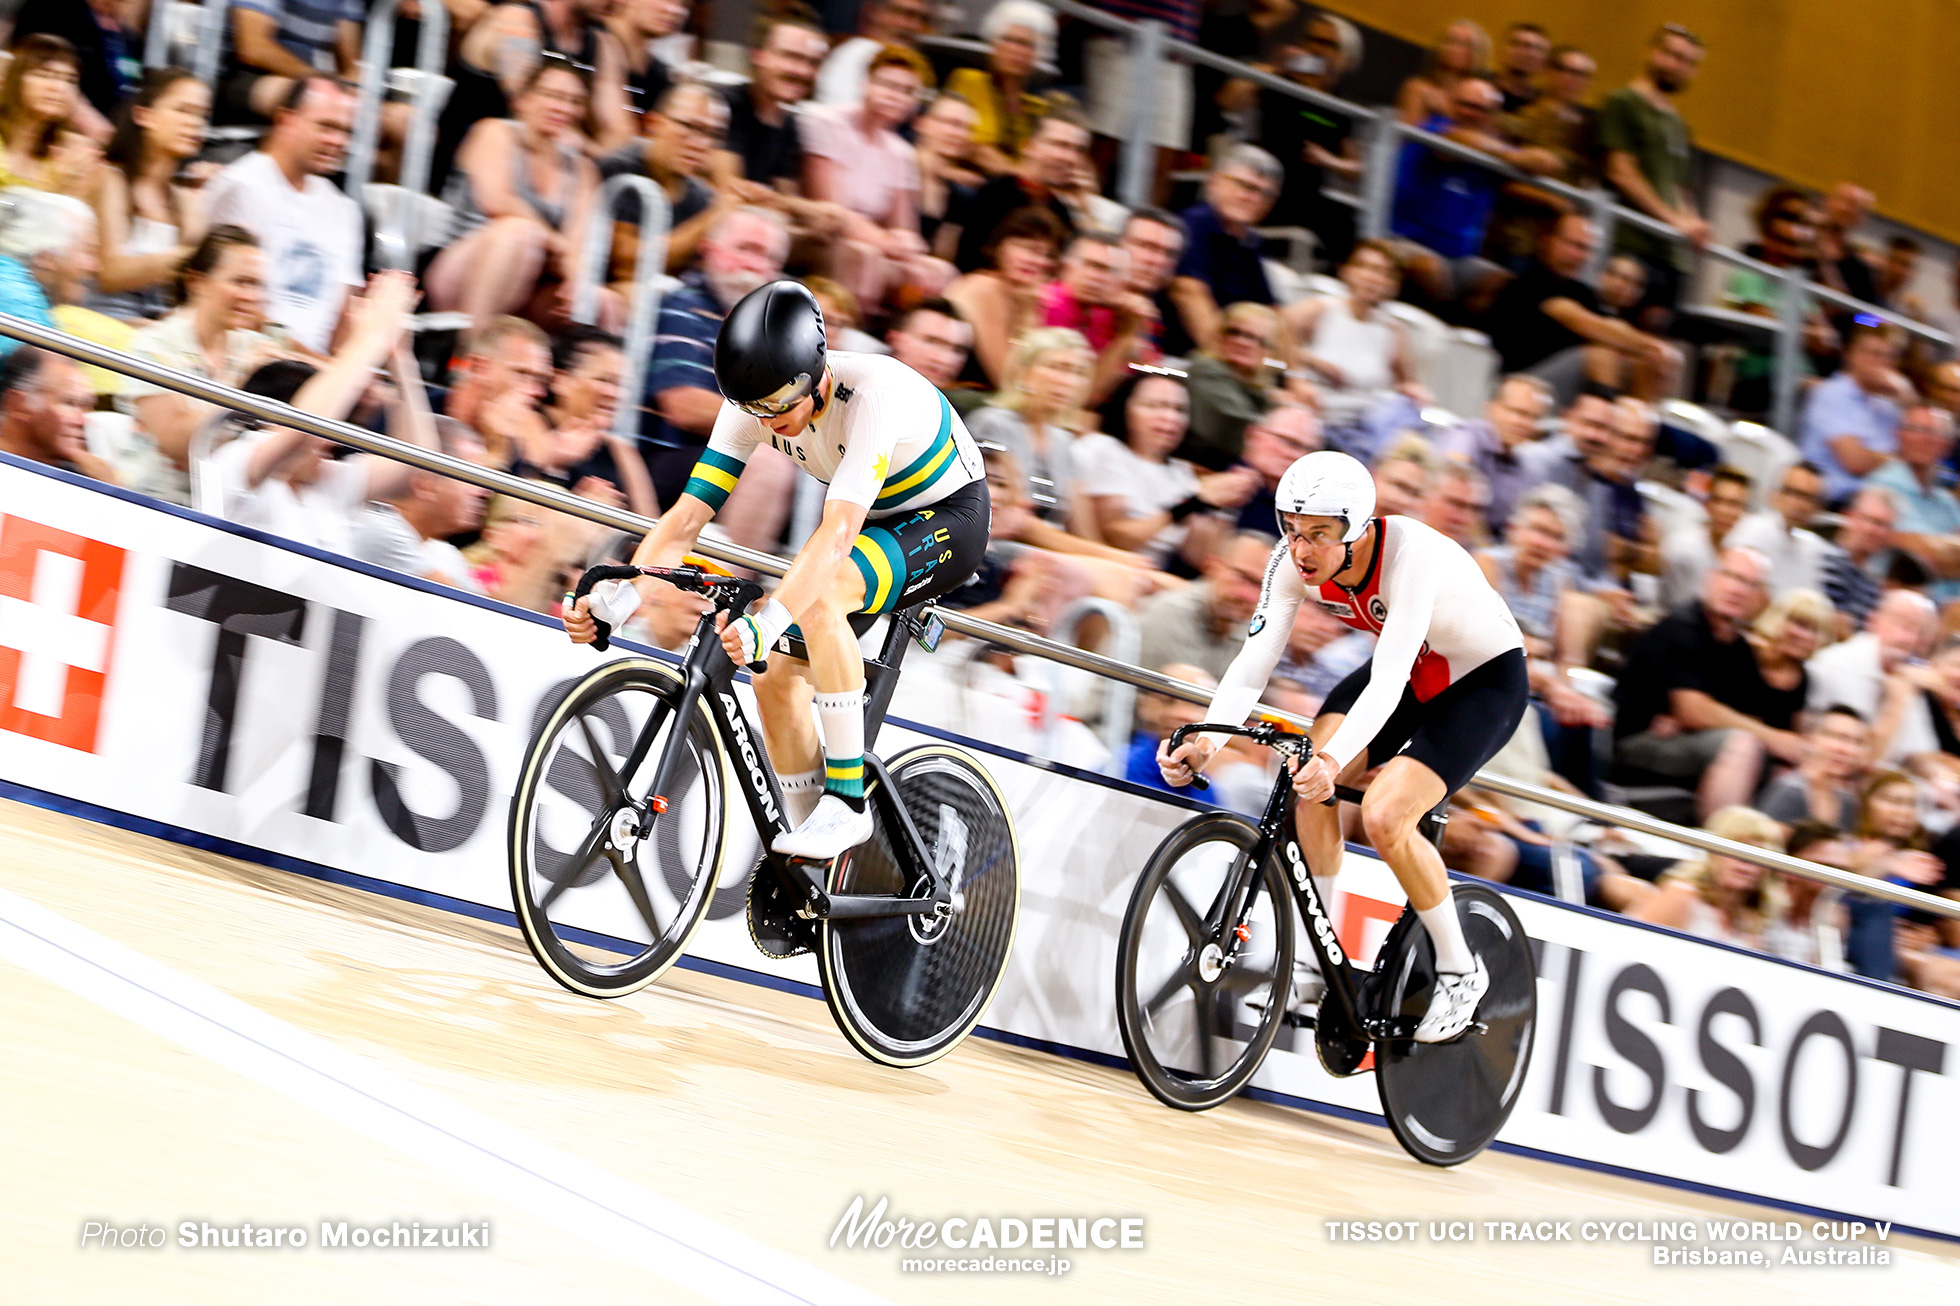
761 161
1649 155
679 135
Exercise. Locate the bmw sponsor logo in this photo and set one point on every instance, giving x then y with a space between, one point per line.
1258 623
1377 609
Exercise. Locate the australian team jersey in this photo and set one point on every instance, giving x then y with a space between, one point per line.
887 440
1435 614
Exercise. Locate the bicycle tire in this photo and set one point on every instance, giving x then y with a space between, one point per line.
1161 1050
1445 1102
906 990
685 845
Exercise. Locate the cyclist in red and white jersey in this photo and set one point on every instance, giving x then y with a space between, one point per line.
1445 690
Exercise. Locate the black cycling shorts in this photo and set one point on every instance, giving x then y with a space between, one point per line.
1454 733
915 556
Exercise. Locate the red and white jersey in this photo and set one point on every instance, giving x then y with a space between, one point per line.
1435 613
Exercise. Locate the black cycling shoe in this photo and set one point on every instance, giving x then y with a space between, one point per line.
775 928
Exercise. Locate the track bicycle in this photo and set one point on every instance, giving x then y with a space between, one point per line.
617 839
1205 972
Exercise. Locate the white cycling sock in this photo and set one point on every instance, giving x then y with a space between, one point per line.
842 717
800 794
1446 933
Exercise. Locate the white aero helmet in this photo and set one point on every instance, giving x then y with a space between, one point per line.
1328 484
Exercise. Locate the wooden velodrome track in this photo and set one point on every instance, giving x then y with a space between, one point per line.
192 1038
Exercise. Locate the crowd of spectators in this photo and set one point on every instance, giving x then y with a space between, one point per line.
1138 379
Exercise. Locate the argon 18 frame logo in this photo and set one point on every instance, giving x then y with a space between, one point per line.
757 780
1315 916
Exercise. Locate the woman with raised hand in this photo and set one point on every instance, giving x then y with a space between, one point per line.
151 221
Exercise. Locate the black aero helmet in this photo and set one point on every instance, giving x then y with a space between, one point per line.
770 352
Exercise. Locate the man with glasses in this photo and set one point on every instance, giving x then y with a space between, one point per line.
1155 240
1313 143
1927 520
679 137
1492 443
1797 556
1281 437
1687 694
1092 295
1850 423
1056 149
1221 260
881 23
1204 624
1525 50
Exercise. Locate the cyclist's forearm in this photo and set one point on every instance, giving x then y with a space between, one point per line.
820 561
674 534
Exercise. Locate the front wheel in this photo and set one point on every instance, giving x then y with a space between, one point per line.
609 885
907 989
1195 1029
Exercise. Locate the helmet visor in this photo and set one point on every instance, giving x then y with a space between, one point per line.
781 400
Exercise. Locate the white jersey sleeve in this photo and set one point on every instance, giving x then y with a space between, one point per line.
1410 615
1272 625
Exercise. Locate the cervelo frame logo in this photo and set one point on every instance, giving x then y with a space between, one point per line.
1321 928
58 596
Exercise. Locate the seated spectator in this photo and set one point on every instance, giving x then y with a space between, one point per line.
523 551
1155 241
1232 385
1855 672
500 390
1003 298
1359 355
1721 898
1893 846
1809 931
1092 296
277 44
1493 442
1221 261
1795 625
1796 554
1443 204
1860 559
881 24
1403 473
1462 52
1034 418
1280 437
38 235
1844 262
1690 549
1314 144
1786 226
1917 724
108 38
1548 323
407 527
44 403
1590 460
745 248
1456 503
219 335
1046 169
521 190
1561 120
1850 423
1686 693
150 222
1896 274
279 479
933 339
1823 785
1157 715
38 99
1020 36
948 181
312 234
580 421
1203 624
679 135
841 315
652 48
762 163
1140 498
1926 522
854 157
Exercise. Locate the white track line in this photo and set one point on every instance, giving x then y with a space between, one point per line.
626 1220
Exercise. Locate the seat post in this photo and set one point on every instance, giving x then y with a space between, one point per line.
881 673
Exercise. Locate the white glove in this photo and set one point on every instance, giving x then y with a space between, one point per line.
614 601
760 630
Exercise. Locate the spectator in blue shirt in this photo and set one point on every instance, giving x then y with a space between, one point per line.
277 42
38 237
744 249
1850 423
1220 265
1443 204
1926 520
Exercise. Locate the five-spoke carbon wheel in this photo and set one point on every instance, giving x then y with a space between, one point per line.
1195 1029
907 989
610 880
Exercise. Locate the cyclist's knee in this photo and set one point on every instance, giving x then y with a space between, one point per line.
783 681
1387 816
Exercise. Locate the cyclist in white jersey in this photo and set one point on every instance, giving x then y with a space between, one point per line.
906 519
1445 690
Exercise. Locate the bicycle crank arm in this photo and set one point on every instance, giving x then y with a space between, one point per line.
847 906
1404 1027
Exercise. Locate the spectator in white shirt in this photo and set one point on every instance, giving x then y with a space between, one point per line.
407 527
1853 673
1796 556
1689 549
279 479
311 233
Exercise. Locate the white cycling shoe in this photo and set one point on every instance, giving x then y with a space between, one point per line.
1454 1004
831 830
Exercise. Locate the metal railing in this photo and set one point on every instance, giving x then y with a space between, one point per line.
1384 136
428 93
203 26
1019 641
650 283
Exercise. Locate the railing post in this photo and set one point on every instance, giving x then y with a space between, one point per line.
431 94
1378 173
210 41
1790 315
649 278
1605 219
156 44
1126 645
1139 175
377 51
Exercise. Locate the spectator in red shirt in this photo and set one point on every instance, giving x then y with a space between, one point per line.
1092 296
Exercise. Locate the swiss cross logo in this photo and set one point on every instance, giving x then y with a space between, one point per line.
57 625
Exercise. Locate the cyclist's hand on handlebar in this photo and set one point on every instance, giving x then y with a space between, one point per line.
1181 767
578 621
1313 780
